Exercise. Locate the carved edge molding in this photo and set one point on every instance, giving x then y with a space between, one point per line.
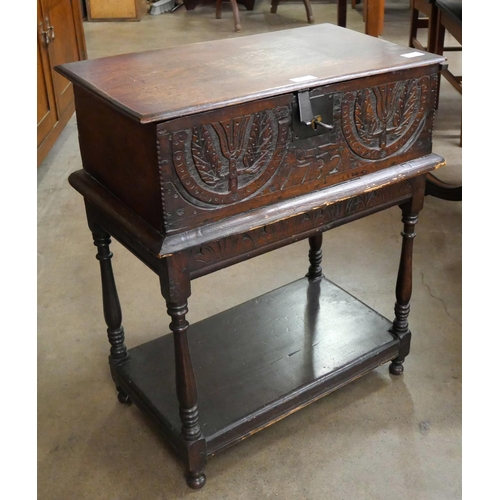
256 240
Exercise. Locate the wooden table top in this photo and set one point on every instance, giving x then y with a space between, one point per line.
168 83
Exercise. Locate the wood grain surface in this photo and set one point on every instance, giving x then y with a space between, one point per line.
301 340
161 84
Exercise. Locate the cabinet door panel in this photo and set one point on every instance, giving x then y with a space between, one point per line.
64 47
64 42
46 108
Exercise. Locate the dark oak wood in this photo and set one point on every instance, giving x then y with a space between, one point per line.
301 342
400 326
315 256
443 190
197 183
241 69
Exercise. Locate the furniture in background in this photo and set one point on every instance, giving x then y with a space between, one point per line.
373 15
448 20
439 17
116 10
420 14
280 150
60 39
307 5
249 4
236 13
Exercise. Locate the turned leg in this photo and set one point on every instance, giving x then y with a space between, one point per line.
175 286
111 303
274 6
403 290
315 257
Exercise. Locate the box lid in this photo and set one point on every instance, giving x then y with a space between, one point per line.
168 83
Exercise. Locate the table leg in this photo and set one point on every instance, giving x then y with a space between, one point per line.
111 303
400 325
315 257
175 285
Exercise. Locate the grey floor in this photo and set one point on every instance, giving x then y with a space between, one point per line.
377 438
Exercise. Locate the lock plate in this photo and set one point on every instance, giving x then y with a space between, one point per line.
306 109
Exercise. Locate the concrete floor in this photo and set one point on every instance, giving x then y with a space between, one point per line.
377 438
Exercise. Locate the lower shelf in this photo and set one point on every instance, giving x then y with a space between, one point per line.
262 360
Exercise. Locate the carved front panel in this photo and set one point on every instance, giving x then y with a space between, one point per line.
229 162
381 121
256 241
225 162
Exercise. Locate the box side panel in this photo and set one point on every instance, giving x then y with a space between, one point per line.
120 153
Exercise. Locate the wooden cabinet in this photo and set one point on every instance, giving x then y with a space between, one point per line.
60 40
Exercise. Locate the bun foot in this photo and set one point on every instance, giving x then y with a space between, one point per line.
396 368
123 397
196 480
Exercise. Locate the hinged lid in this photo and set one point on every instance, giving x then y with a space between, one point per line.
168 83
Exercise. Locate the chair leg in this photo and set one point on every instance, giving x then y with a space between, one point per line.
218 9
342 13
374 17
435 40
274 6
310 17
413 25
436 44
236 14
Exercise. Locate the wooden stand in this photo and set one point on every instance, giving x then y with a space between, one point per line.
191 190
237 375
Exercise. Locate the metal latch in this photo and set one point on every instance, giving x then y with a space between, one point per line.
306 112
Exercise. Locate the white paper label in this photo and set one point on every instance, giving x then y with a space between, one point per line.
412 54
301 79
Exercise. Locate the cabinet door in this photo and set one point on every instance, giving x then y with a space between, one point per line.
63 42
65 17
46 107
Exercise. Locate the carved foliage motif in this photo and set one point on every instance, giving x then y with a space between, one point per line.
211 166
228 161
380 121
